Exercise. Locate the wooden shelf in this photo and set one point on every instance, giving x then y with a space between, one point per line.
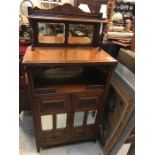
89 78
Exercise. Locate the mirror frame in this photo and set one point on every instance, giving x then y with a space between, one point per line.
66 14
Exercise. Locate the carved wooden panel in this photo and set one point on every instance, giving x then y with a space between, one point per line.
84 133
51 105
86 100
60 135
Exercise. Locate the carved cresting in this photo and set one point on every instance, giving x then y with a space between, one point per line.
62 10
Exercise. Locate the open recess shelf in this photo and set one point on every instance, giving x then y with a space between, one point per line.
86 78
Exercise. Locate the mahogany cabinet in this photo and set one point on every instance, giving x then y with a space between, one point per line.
69 109
67 84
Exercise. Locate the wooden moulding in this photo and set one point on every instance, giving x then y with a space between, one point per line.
62 11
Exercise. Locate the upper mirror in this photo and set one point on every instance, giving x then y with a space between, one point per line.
80 34
51 33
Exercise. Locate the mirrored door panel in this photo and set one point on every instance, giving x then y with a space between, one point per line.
91 117
47 122
61 120
78 118
53 33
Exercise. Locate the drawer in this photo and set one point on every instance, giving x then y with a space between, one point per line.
86 100
84 133
53 137
53 104
50 105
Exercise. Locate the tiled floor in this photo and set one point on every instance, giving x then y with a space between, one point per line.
27 143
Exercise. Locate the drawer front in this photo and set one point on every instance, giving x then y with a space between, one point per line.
53 104
82 102
53 137
50 105
86 100
84 133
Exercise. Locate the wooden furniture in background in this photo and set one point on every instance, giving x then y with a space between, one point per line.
120 106
111 6
67 85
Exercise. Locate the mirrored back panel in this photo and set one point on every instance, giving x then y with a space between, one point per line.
80 34
51 33
65 26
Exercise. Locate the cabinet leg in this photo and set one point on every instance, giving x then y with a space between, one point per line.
38 149
94 140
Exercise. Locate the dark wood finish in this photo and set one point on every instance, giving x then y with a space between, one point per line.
67 97
24 101
54 137
76 100
64 10
86 100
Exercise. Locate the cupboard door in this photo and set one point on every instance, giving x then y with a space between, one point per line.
84 124
53 115
86 112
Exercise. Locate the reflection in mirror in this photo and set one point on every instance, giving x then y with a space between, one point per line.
91 116
80 34
47 122
51 33
61 120
78 118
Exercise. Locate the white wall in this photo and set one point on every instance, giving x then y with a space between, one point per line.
68 1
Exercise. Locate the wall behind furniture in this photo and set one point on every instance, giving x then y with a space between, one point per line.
68 1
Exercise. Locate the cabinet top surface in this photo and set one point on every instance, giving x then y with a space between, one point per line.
66 55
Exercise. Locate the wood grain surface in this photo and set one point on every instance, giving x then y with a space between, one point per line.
64 55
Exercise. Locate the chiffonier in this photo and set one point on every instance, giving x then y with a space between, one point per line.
68 74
